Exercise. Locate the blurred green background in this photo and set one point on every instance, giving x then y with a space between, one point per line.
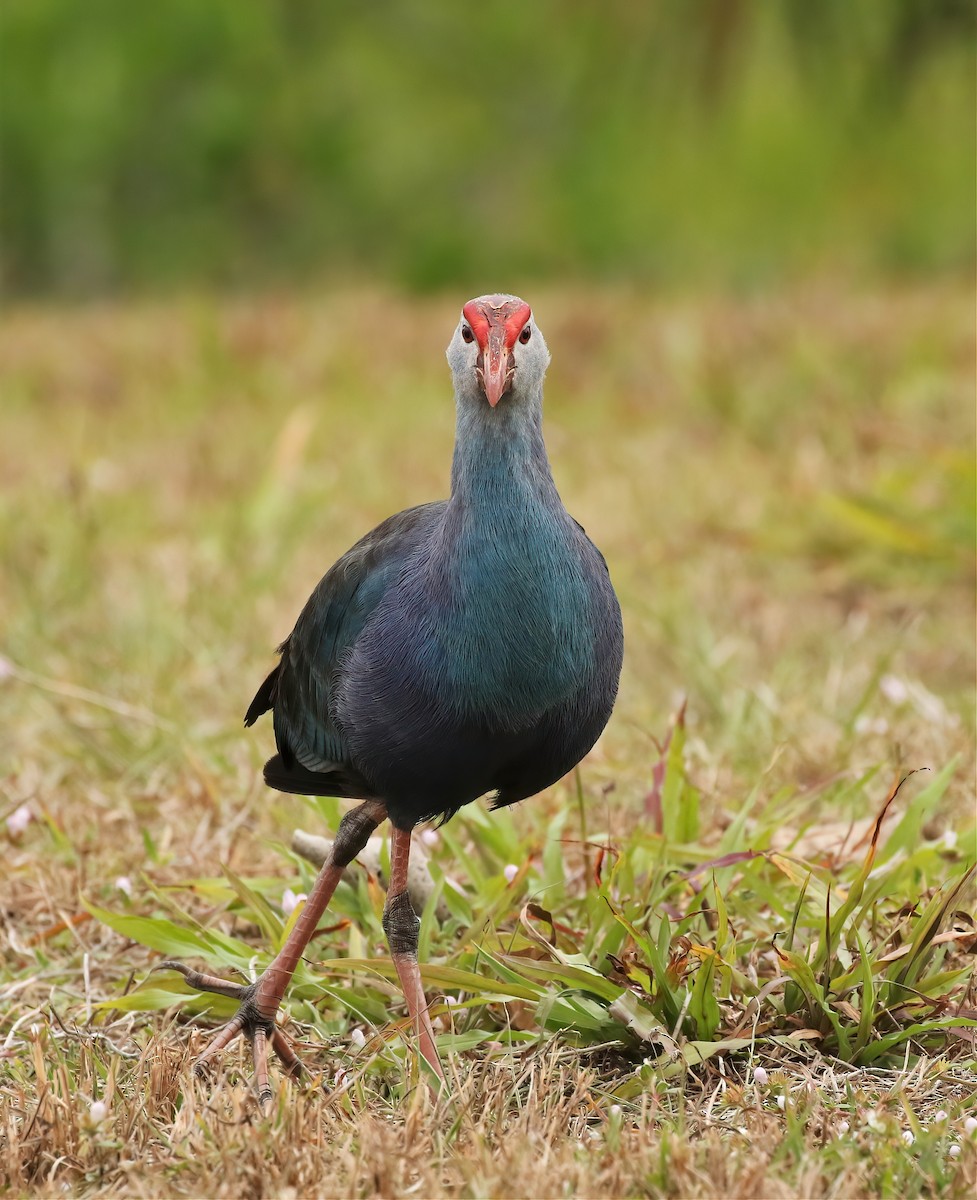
255 143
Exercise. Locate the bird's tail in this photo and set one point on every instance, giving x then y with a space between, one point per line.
343 781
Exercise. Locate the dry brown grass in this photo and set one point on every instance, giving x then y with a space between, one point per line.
534 1127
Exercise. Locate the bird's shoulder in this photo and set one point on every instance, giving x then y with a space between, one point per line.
299 688
356 581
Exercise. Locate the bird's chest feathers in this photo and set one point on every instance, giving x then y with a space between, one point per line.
510 634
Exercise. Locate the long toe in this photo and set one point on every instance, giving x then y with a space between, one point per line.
206 983
259 1049
221 1040
286 1055
284 1052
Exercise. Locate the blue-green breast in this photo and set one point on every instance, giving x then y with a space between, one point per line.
509 616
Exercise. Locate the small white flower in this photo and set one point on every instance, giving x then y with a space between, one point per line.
874 1121
451 1001
895 690
124 884
760 1077
615 1110
843 1128
430 837
781 1102
950 839
940 1115
954 1150
908 1136
970 1125
510 871
18 820
358 1038
98 1112
291 900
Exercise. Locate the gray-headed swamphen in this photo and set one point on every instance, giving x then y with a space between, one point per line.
467 646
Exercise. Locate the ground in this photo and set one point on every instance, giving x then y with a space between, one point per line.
697 967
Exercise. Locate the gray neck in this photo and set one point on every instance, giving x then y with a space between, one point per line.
500 459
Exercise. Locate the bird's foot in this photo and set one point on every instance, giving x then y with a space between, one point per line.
252 1021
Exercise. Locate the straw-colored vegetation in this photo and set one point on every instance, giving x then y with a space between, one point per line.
729 957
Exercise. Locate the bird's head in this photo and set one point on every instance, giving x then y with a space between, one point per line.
497 350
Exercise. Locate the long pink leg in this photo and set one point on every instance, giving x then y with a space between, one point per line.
401 926
260 1000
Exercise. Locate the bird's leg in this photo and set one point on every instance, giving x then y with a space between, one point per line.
260 1000
401 926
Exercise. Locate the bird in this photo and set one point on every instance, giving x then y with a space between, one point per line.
466 647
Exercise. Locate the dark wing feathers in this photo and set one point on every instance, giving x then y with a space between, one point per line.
264 697
300 689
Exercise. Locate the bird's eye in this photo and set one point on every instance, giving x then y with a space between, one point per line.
466 334
526 334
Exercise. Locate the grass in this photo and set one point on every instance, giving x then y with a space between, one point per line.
730 956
